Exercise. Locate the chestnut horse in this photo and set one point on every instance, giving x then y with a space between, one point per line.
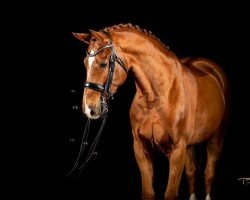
178 103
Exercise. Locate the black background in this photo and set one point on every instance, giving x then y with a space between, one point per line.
217 32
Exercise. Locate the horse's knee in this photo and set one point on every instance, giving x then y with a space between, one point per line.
209 173
208 176
191 173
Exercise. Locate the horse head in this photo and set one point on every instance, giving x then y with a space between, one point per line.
103 74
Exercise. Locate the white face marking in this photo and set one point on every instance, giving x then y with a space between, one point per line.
90 62
192 197
87 109
208 197
91 59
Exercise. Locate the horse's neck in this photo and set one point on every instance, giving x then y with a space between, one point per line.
153 69
154 76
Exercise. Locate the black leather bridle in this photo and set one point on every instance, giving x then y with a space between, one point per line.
105 89
105 96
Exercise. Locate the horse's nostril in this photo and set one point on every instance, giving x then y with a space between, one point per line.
92 112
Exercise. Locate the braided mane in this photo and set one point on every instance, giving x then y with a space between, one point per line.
136 27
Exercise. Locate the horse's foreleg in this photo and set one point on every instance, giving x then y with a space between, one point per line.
190 169
176 161
214 147
144 161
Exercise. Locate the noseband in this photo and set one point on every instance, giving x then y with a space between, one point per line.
105 89
105 96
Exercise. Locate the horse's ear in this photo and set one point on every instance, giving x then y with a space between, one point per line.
97 34
84 37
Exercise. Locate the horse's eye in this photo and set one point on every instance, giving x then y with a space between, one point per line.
103 64
93 39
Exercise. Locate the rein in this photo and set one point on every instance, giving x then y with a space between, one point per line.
106 95
84 144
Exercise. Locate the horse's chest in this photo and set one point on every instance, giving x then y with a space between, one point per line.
146 126
152 129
